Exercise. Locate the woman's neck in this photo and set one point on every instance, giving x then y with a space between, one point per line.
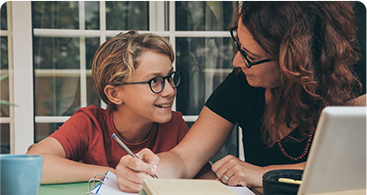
282 130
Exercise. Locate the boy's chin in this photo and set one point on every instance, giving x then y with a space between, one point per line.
164 119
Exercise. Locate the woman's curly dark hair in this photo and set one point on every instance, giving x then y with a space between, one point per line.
315 45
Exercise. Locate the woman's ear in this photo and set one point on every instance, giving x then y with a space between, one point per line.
113 94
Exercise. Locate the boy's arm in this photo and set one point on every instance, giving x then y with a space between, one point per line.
58 169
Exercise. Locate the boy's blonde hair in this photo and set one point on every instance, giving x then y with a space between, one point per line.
116 59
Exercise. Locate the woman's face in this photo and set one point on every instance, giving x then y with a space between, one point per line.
266 75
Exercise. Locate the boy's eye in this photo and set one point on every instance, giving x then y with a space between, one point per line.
155 80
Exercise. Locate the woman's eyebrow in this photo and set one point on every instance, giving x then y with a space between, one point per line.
247 51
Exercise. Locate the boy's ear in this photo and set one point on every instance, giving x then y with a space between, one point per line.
113 94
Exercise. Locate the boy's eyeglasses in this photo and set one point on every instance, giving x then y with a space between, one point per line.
248 62
156 84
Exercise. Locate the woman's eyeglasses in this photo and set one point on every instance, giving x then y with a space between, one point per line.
244 55
156 84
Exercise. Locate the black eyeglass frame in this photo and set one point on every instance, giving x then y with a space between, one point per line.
243 53
169 76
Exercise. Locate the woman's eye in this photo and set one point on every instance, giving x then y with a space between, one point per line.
251 58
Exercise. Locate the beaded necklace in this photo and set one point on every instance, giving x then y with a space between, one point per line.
307 147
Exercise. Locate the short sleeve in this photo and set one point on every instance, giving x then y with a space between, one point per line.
72 135
222 100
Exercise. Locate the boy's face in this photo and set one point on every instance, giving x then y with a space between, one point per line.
139 101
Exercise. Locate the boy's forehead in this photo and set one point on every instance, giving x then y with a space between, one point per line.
153 64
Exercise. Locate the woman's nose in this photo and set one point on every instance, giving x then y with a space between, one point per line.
238 61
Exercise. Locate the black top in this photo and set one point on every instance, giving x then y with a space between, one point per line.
236 101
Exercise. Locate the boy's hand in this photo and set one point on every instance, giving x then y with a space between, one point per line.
131 171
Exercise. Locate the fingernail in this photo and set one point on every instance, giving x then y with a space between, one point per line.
154 169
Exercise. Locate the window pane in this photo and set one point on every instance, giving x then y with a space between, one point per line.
5 138
55 14
4 52
45 129
4 77
4 96
57 95
204 63
91 45
91 15
56 53
127 15
92 95
204 15
3 17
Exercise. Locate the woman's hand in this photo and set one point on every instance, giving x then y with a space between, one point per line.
131 171
233 171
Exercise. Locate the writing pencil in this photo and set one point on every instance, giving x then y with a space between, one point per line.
127 149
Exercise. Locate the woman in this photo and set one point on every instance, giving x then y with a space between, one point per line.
293 59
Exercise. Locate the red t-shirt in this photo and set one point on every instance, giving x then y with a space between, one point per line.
87 136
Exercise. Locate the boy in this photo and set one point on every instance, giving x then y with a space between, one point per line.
133 75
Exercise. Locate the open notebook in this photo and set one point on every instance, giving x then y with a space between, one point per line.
109 186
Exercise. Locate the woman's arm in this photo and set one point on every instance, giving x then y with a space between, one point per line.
205 138
58 169
359 101
234 171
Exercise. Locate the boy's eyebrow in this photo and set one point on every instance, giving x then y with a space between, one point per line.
155 74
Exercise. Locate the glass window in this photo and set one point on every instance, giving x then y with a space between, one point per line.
91 15
204 63
204 15
4 83
3 17
56 89
4 77
92 45
57 95
55 14
45 129
4 139
127 15
56 53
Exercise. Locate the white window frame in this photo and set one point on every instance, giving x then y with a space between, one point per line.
21 118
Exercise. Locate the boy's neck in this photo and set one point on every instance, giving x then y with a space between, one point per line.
131 131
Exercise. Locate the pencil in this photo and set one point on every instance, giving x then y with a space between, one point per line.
127 149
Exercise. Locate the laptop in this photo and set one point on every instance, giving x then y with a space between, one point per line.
337 160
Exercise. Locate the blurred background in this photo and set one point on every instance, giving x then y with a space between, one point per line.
47 49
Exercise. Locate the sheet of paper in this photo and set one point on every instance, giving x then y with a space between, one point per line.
110 187
241 190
